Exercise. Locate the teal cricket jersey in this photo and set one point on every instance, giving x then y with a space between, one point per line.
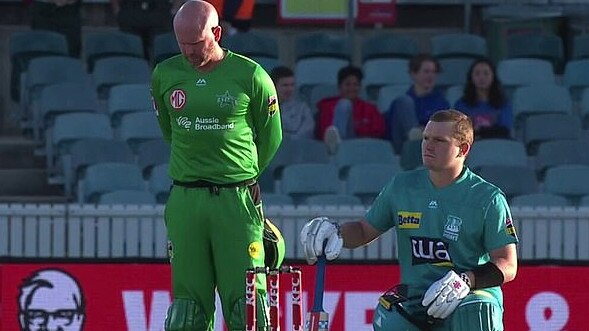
223 125
441 229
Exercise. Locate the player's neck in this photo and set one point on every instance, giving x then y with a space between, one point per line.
445 177
216 59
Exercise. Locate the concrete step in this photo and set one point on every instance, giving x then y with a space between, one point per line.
27 182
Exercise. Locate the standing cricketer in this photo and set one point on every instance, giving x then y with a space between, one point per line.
219 112
455 237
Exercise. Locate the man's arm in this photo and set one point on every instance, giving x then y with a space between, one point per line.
505 260
163 117
358 233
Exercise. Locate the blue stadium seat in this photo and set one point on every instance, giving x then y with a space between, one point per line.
116 70
539 99
585 108
539 46
315 71
454 93
388 93
539 200
514 73
388 45
26 45
276 199
458 45
152 153
560 152
319 92
410 156
576 77
296 151
546 127
318 44
567 180
356 151
512 180
127 197
497 152
127 98
164 46
584 202
581 46
333 200
160 182
367 180
137 128
302 180
252 43
383 71
108 177
453 71
100 45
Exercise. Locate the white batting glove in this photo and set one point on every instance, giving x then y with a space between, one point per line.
315 233
444 295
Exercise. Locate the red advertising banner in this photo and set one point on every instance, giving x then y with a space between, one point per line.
134 297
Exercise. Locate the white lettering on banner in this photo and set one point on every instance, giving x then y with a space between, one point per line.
357 304
547 311
135 310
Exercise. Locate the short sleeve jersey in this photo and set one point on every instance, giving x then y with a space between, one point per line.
454 227
223 125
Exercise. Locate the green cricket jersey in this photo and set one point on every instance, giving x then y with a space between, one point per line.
223 125
441 229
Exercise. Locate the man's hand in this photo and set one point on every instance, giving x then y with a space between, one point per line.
444 295
315 233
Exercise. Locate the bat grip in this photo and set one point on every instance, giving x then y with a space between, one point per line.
319 284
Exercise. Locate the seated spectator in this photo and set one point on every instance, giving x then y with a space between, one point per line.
297 118
485 102
408 114
347 115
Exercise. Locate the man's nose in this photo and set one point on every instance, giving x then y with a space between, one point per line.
53 325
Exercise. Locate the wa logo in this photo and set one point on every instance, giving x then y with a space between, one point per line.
431 251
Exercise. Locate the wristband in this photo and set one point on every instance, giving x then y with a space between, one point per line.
465 278
487 275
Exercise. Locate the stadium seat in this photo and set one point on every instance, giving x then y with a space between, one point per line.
137 128
576 77
388 93
127 98
539 200
83 153
276 199
356 151
410 156
267 62
164 46
318 44
380 72
585 108
546 127
152 153
454 93
316 71
458 45
584 202
497 152
560 152
26 45
333 200
160 182
581 46
567 180
514 73
63 98
367 180
512 180
116 70
252 43
388 45
302 180
296 151
108 177
127 197
539 99
539 46
319 92
454 71
100 45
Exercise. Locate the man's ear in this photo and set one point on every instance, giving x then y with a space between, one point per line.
217 31
464 149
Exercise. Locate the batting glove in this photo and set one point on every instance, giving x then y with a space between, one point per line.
444 295
318 232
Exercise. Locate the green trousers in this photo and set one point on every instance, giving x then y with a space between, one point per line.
215 235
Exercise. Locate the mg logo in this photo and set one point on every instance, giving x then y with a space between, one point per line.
178 99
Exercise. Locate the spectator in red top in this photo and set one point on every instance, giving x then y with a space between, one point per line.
348 116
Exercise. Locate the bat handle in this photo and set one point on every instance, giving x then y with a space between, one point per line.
319 284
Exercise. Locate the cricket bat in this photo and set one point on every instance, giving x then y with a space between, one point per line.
318 319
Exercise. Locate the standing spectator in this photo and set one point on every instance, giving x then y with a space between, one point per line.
297 118
236 15
219 112
408 114
455 238
61 16
347 115
485 102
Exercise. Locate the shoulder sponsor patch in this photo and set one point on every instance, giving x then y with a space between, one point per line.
272 105
178 99
408 220
509 227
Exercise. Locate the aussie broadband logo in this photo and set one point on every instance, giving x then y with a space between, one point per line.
408 220
430 251
203 124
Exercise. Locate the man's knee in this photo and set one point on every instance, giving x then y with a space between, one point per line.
477 312
187 315
237 318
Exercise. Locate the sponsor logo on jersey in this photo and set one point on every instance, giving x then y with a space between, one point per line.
433 204
452 227
509 227
184 122
408 220
178 99
201 82
255 249
272 105
431 251
226 100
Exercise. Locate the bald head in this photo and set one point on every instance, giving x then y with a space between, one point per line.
195 15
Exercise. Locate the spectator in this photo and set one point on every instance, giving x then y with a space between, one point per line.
347 115
236 15
62 16
408 114
297 118
485 103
